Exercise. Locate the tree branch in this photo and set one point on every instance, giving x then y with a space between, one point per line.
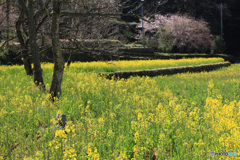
24 7
71 14
41 22
7 41
45 50
3 19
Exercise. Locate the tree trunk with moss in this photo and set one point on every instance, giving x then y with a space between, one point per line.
38 78
25 55
55 89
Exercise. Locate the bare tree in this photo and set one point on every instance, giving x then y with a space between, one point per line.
38 78
23 44
89 25
32 17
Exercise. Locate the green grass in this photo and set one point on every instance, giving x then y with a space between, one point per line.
183 116
133 45
185 54
180 54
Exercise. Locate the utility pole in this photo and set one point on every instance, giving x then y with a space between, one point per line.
221 20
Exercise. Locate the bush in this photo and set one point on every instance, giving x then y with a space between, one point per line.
218 45
182 33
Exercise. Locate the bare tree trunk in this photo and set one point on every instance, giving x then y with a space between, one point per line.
55 89
38 78
25 55
27 65
7 14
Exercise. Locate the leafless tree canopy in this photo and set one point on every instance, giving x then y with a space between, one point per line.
90 32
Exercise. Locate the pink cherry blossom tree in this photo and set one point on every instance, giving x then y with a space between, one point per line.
180 32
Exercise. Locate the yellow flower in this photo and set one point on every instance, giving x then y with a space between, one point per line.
59 112
210 84
140 116
110 133
136 137
2 113
161 136
60 134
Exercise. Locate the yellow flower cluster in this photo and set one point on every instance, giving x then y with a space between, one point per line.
184 116
62 144
141 64
223 121
92 152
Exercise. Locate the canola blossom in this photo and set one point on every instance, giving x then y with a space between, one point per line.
184 116
111 66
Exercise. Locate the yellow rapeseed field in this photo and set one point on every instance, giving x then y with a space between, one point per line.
184 116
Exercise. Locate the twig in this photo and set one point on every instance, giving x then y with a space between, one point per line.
7 41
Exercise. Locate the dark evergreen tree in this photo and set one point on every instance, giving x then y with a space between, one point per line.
231 27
